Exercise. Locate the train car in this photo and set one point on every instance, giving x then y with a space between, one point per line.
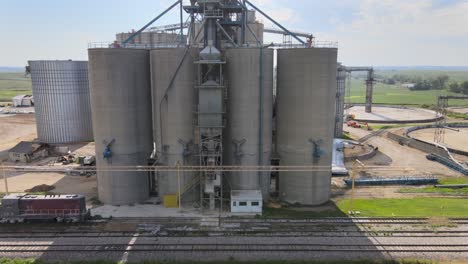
61 208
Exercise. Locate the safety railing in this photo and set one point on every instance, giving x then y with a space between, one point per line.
115 45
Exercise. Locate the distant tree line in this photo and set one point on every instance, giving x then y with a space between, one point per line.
461 87
440 82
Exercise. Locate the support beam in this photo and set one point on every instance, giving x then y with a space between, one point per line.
273 21
226 34
369 90
151 22
181 23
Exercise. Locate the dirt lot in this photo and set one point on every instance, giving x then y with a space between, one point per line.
397 160
457 139
392 160
15 128
22 127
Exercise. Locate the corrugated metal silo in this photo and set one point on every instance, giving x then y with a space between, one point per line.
173 118
121 107
62 103
248 137
305 122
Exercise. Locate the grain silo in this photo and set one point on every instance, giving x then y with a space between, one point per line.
62 103
248 136
173 119
121 108
306 106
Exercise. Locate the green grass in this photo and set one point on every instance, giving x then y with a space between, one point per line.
414 207
391 207
448 191
12 84
33 261
395 95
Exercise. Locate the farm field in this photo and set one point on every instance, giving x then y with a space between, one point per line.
395 95
12 84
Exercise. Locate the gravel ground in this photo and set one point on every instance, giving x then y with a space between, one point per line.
372 242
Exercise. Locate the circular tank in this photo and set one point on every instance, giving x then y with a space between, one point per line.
121 107
248 134
173 119
305 122
62 103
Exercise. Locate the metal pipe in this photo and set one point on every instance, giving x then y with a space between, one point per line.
274 22
226 34
260 118
151 22
181 24
244 23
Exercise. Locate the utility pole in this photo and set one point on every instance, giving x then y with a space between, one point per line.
5 179
178 183
353 178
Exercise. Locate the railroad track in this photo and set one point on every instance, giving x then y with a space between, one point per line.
237 233
154 247
331 220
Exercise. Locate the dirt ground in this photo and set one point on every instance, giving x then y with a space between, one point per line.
382 113
15 128
457 139
393 160
397 160
22 127
461 110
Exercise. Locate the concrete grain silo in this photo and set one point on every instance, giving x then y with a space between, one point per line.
173 119
248 133
305 127
62 103
121 108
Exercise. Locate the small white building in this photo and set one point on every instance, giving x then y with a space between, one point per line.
23 100
408 85
246 202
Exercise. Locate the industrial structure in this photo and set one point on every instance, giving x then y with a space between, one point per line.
441 123
208 93
62 101
343 91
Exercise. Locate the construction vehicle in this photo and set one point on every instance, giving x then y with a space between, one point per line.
353 124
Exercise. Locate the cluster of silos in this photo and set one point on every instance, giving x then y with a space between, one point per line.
122 120
141 95
248 135
62 101
306 91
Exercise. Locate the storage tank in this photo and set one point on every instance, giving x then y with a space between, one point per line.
173 119
305 122
62 103
248 134
121 107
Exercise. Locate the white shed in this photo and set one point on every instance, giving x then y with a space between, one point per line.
246 202
23 100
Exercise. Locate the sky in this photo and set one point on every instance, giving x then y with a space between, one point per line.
368 32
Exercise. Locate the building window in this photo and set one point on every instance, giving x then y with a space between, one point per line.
255 203
242 203
234 204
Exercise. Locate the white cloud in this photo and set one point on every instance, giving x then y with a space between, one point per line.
404 32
